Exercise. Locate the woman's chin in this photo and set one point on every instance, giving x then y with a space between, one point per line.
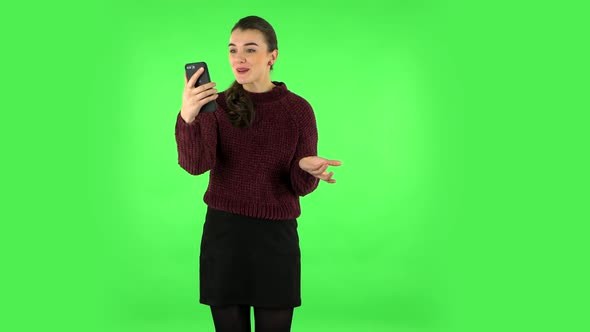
241 80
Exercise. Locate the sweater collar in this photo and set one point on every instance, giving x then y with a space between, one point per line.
275 93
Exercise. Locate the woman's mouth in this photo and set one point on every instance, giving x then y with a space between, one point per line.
242 70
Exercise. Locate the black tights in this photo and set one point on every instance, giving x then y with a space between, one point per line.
236 318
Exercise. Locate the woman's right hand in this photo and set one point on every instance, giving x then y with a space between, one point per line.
193 99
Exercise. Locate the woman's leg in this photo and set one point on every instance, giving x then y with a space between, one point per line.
272 320
232 318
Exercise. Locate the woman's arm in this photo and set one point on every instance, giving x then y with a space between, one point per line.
303 182
196 143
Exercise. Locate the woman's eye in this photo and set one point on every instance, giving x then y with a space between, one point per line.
232 51
251 50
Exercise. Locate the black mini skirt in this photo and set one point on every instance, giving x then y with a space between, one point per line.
249 261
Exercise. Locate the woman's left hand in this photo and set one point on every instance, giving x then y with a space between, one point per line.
317 167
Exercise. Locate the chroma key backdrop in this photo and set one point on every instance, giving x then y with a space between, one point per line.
459 205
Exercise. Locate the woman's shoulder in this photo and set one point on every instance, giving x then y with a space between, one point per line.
298 101
300 109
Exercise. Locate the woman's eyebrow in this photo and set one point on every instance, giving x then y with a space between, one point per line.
247 44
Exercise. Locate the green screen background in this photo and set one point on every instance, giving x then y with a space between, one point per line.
460 204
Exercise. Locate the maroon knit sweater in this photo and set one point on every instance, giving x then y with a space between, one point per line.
254 171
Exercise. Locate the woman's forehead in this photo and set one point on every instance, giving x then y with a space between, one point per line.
240 37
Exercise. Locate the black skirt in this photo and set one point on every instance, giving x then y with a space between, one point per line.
249 261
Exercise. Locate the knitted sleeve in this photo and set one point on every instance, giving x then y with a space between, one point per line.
302 182
196 143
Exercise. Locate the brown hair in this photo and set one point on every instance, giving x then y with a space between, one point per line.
239 104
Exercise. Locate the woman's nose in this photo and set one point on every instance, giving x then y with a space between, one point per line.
239 58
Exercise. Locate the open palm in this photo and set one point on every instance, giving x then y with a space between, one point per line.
317 166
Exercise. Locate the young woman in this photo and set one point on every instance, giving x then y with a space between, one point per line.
260 146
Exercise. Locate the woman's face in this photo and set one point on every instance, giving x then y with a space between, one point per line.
249 57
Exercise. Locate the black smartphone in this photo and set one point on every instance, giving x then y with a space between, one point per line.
191 69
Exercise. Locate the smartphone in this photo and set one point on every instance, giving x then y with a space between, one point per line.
190 69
